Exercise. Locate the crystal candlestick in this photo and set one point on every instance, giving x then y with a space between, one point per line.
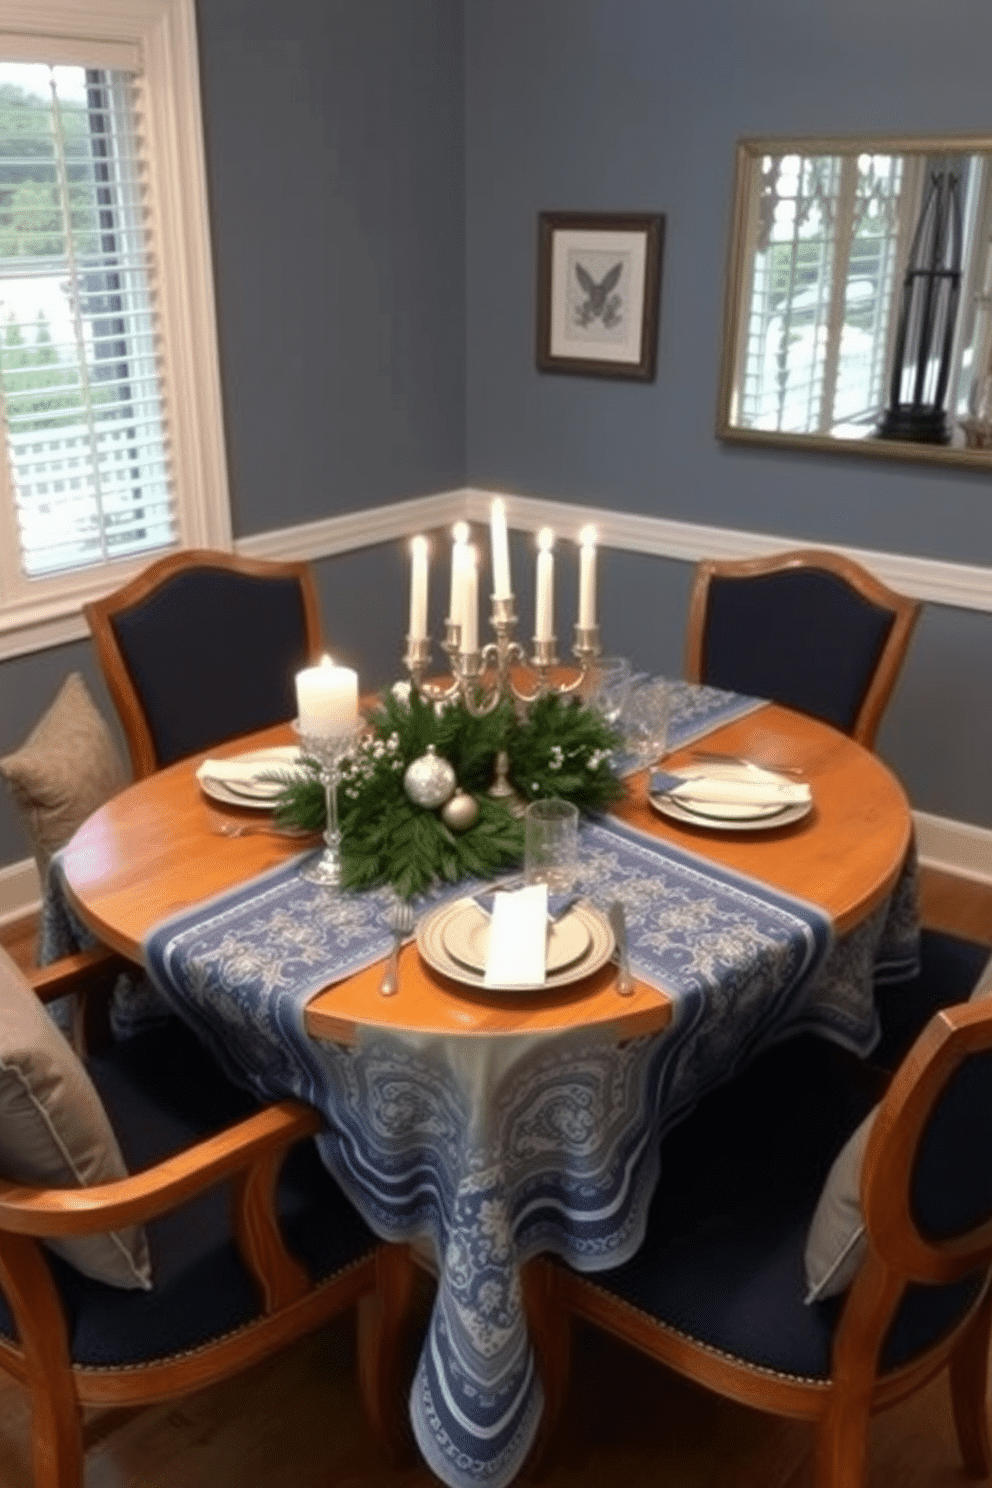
328 751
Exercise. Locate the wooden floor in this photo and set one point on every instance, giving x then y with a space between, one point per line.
297 1422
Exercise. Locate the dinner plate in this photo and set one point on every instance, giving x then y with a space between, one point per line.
432 947
466 938
730 815
257 794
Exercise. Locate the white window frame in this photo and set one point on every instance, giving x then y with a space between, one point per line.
39 613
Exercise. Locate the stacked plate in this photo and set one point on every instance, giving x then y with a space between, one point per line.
254 779
454 940
730 815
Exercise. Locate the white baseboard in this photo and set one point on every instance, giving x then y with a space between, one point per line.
950 846
954 847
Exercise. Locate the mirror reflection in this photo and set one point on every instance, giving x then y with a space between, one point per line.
859 305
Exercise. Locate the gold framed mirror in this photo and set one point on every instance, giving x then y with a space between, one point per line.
858 314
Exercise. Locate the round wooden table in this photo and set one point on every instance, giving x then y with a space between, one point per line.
156 849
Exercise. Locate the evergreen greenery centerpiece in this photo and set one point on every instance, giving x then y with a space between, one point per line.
413 802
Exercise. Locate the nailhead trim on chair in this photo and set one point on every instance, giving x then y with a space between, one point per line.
218 1338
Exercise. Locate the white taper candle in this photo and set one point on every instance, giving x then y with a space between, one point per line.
470 601
459 544
544 624
587 578
499 543
418 589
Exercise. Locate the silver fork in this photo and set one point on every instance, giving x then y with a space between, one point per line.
741 759
252 829
401 922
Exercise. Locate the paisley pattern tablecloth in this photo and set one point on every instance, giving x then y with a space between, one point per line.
496 1148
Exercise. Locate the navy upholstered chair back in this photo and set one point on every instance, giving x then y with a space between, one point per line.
809 630
204 647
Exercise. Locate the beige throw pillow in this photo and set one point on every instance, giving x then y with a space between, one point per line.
67 767
54 1131
836 1243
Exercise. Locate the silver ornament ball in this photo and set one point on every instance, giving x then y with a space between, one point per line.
461 812
429 780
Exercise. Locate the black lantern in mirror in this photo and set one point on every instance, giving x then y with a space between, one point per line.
921 363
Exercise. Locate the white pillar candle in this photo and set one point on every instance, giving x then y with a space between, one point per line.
544 624
326 700
470 601
418 589
587 578
456 595
499 542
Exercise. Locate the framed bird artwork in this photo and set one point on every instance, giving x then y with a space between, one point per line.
599 293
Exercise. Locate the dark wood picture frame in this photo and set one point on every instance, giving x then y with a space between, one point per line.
599 320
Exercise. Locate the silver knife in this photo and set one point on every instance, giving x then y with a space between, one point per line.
618 924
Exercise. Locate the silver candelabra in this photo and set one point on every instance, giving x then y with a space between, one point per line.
484 677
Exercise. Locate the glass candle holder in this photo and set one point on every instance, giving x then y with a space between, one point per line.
329 751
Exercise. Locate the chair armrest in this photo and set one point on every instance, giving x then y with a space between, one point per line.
77 973
109 1206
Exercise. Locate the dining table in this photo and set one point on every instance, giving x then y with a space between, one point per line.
490 1126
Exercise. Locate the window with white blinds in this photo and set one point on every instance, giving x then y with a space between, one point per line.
79 377
827 232
111 420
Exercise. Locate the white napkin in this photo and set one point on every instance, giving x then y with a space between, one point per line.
247 774
518 938
761 791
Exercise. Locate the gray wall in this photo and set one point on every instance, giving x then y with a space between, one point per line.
636 105
335 156
375 171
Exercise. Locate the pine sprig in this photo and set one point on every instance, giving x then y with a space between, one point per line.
560 749
563 748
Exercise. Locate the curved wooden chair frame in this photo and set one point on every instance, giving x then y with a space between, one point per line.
905 613
249 1153
100 614
898 1254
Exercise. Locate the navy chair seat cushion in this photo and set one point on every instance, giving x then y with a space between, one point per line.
213 655
722 1261
950 967
764 633
163 1091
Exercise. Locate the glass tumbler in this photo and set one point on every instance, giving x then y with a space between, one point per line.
610 690
551 844
645 722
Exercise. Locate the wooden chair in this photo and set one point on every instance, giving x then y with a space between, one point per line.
202 647
716 1291
253 1245
809 629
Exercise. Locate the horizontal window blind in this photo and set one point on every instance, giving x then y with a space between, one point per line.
826 244
79 378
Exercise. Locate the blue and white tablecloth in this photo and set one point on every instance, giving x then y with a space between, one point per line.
497 1148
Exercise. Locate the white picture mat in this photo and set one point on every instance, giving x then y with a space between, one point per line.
597 250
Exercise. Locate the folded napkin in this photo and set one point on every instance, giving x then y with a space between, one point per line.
558 904
762 790
518 938
249 775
